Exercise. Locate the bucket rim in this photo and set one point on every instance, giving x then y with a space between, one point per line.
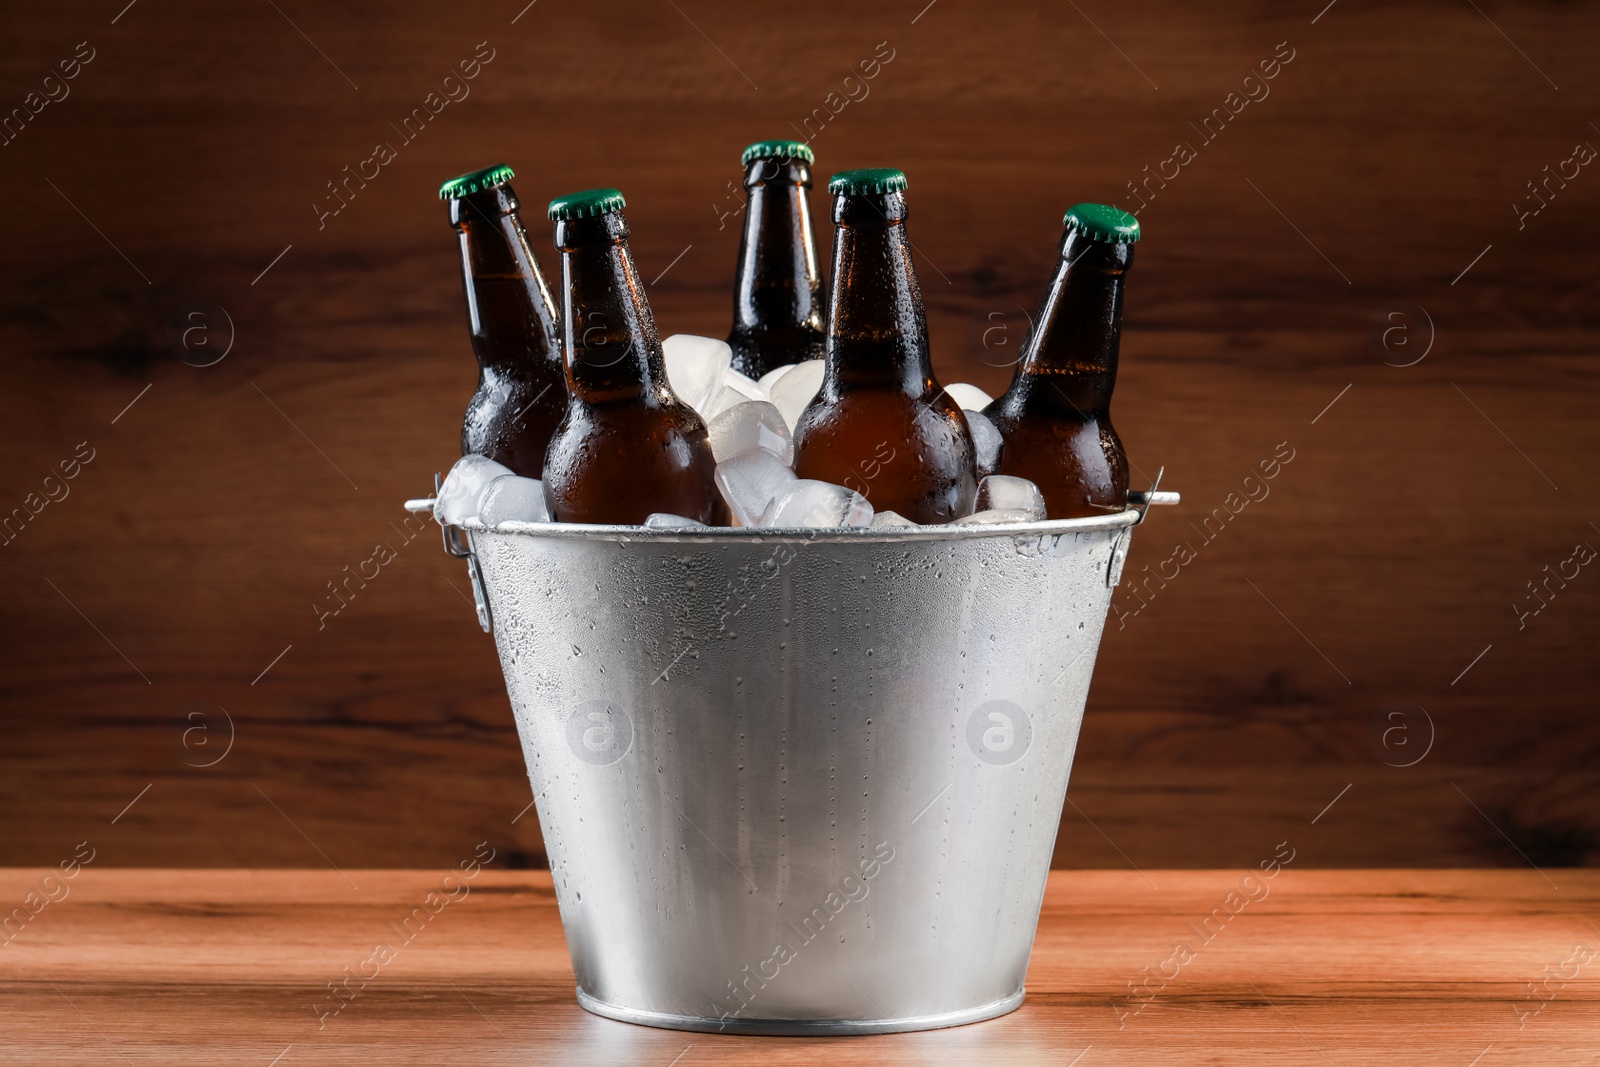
574 531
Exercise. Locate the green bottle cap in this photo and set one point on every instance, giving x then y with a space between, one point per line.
586 204
777 150
1100 222
476 182
867 181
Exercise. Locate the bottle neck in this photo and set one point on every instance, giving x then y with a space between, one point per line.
510 309
1074 345
877 332
778 281
613 353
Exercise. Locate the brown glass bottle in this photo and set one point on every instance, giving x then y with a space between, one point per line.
881 425
1056 417
516 337
628 447
777 295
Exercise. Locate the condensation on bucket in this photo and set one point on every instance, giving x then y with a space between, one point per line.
804 781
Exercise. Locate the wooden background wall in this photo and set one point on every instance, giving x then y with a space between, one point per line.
1375 183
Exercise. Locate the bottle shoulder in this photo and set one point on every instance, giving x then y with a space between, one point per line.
629 417
869 420
906 454
619 462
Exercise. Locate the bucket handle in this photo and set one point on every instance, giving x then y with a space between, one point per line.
458 543
1141 501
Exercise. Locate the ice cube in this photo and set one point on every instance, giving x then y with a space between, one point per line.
793 391
736 389
986 442
773 375
695 368
661 520
1000 491
747 386
750 482
985 518
510 497
752 424
969 397
890 518
812 503
458 496
726 398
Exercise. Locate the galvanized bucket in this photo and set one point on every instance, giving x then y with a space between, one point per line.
799 781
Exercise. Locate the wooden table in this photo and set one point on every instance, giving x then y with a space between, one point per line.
1329 967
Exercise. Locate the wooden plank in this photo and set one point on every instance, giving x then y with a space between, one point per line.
1321 967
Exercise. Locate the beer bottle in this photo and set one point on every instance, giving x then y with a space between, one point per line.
1056 417
777 295
881 425
522 391
628 447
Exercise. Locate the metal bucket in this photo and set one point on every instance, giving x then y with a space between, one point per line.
805 781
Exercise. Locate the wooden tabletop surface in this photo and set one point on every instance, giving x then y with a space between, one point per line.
1321 967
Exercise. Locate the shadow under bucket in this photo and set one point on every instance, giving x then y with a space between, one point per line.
803 781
